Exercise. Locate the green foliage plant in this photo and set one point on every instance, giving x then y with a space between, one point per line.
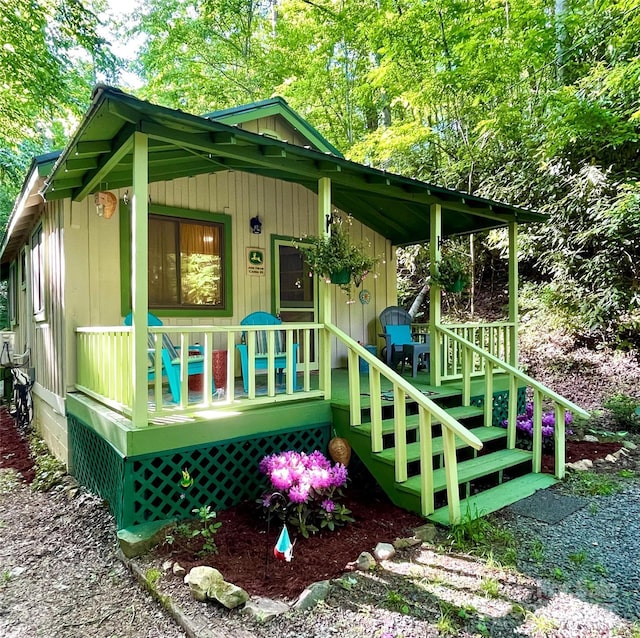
453 270
592 484
208 528
624 410
330 255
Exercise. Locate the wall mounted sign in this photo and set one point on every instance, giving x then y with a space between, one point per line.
255 262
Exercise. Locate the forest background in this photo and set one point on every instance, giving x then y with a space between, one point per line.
532 102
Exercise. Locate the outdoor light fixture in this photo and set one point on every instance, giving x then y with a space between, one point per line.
105 204
256 225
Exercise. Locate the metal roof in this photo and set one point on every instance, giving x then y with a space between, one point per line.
99 156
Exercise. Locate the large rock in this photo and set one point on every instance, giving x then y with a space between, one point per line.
589 438
384 551
365 562
201 580
426 533
227 594
580 466
264 609
139 539
630 445
312 595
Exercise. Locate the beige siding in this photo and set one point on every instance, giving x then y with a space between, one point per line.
278 125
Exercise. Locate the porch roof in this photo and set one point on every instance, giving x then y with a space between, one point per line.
180 144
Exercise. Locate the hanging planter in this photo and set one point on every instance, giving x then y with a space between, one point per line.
453 270
335 258
341 277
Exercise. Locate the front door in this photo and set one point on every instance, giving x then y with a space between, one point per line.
295 293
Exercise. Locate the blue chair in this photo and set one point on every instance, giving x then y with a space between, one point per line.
261 357
170 359
400 344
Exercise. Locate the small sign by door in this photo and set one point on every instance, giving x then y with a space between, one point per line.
255 262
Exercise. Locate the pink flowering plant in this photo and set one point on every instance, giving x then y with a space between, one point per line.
524 428
304 491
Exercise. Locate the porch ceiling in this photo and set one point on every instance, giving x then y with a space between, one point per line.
182 145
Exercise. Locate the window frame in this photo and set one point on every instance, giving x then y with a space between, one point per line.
186 215
38 275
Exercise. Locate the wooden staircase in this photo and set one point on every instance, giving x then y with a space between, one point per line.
488 481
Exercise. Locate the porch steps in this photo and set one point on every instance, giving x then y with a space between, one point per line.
413 449
460 413
496 498
489 479
472 469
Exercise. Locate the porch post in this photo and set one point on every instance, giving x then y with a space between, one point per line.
435 315
139 281
513 293
324 290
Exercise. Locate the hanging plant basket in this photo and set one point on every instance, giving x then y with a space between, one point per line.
457 286
341 277
453 270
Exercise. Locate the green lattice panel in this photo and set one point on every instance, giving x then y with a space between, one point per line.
96 464
501 404
224 475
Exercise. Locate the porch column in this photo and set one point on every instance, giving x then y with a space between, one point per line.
139 281
513 292
435 314
324 290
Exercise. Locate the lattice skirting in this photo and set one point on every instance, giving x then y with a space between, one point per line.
147 488
501 404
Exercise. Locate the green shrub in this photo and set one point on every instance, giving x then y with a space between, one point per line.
625 410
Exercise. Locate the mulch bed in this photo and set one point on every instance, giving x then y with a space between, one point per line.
14 449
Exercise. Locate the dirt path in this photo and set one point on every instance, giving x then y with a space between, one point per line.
59 575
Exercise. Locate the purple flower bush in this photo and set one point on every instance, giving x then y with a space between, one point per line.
524 427
304 491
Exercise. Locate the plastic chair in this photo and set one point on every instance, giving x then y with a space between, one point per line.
170 359
399 340
261 354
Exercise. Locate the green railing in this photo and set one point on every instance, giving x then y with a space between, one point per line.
104 365
470 353
104 357
429 412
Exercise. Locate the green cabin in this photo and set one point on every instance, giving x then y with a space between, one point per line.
133 258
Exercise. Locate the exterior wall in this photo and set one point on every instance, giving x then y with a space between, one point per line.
52 426
277 125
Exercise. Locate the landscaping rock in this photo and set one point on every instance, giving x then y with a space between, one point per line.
630 445
610 458
167 565
178 569
589 438
580 466
312 595
227 594
201 579
426 533
264 609
138 540
404 543
384 551
365 562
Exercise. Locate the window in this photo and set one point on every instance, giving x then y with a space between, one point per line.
186 263
37 270
13 294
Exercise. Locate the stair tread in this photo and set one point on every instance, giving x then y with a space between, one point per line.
496 498
459 412
388 455
472 469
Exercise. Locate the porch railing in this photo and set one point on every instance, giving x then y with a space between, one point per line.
104 357
469 354
429 412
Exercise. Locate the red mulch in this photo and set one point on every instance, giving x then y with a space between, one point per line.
246 549
14 450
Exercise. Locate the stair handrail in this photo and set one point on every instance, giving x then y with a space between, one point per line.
540 391
427 410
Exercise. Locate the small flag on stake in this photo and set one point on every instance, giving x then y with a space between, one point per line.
284 547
